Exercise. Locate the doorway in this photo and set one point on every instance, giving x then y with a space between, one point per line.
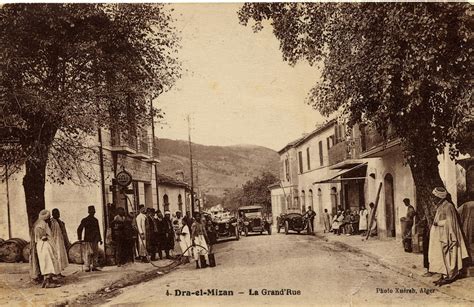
389 206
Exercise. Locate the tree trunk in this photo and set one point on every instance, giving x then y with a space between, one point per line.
425 173
33 185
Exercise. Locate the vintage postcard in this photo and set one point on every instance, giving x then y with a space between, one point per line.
236 154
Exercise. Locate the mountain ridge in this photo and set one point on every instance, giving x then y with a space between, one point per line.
217 168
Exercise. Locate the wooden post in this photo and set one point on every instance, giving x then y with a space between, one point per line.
372 218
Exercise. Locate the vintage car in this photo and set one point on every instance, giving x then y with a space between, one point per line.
251 219
292 221
226 227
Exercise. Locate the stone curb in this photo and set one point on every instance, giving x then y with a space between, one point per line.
113 286
400 270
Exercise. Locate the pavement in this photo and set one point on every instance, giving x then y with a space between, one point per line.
16 288
390 253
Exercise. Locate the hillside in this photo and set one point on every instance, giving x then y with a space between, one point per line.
217 167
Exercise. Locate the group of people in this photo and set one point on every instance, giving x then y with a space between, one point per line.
48 249
149 234
49 245
351 222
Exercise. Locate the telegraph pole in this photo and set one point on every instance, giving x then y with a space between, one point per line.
191 163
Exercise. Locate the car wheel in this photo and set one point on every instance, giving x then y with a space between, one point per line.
246 231
286 227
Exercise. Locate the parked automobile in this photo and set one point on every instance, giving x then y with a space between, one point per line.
227 227
292 221
251 219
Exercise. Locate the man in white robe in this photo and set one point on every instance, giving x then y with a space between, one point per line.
48 261
59 241
185 240
447 248
141 226
363 220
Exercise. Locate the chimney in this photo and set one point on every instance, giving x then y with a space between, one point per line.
180 175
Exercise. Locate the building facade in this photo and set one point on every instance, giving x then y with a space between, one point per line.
137 155
335 167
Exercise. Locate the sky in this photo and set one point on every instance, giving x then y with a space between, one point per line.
237 89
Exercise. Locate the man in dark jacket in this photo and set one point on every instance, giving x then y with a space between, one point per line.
168 234
118 236
90 250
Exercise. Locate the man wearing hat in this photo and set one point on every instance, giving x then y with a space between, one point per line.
92 239
169 234
447 248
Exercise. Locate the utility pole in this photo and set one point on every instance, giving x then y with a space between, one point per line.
8 204
191 163
155 164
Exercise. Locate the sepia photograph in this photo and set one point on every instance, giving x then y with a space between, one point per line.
236 154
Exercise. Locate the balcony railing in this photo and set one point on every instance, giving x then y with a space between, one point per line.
123 142
143 148
372 139
344 150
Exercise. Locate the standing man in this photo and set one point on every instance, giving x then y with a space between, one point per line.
169 234
310 214
59 240
119 236
142 233
326 221
373 218
363 220
92 239
409 220
447 247
198 238
48 261
151 230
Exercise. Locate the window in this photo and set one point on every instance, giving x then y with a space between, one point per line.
321 160
166 204
300 161
287 169
180 203
308 159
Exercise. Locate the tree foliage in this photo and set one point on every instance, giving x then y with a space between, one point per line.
67 70
403 66
253 192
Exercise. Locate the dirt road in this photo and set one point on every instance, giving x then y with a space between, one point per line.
285 270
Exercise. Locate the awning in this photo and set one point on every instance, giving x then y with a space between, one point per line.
332 178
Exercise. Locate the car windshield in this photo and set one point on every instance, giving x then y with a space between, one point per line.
253 214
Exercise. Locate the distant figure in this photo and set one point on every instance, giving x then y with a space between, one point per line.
363 220
185 240
373 220
142 233
198 238
168 244
59 240
92 239
447 247
326 221
338 223
48 262
119 237
348 223
310 214
409 220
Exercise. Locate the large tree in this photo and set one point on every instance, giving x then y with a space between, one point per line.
256 191
404 65
67 70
